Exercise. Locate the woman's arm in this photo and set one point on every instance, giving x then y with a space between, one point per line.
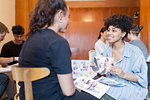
66 84
130 77
118 70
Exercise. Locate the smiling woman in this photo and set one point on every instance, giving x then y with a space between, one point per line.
129 63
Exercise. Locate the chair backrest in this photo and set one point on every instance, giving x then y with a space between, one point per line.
27 75
91 56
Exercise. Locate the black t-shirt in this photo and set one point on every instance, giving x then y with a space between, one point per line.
45 48
11 49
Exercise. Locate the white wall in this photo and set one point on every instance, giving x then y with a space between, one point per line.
7 16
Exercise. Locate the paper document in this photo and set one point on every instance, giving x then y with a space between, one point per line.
101 65
91 86
110 82
82 68
6 69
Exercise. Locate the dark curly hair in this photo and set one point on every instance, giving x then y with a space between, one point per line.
103 29
17 29
3 28
44 12
123 22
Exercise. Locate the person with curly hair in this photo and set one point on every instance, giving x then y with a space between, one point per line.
129 64
135 40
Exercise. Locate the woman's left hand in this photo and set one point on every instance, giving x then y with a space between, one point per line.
118 70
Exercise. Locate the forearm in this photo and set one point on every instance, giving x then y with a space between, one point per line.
5 60
118 70
66 84
130 77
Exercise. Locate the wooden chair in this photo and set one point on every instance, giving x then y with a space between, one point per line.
27 75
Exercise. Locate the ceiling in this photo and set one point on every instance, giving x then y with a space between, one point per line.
84 0
102 3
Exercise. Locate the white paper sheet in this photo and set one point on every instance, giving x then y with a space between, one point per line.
91 86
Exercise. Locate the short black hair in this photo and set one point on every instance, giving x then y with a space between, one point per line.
17 29
103 29
123 22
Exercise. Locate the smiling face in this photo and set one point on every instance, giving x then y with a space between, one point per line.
18 38
114 34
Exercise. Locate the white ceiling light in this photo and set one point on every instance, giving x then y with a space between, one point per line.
84 0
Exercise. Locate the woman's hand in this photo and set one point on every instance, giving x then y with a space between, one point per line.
118 70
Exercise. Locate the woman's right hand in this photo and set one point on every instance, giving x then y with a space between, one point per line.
118 70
